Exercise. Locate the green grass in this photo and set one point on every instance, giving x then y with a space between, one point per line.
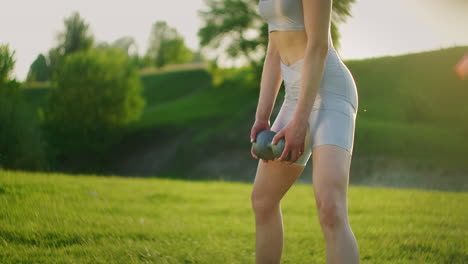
412 106
208 104
167 86
434 145
419 87
57 218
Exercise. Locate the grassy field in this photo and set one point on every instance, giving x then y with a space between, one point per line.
57 218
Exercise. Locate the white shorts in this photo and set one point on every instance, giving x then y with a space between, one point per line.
333 116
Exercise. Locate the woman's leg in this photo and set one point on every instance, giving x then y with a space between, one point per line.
272 181
331 166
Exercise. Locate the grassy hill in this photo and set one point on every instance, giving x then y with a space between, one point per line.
63 218
182 98
411 108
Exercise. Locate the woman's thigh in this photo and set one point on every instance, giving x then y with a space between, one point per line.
330 171
273 179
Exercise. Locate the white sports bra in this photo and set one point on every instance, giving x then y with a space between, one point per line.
282 15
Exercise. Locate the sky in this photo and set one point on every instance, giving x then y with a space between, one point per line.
376 28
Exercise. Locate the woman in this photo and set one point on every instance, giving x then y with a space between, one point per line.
316 119
462 67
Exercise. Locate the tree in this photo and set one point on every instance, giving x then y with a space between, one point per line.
173 51
7 63
227 22
98 93
55 57
167 46
130 47
21 145
127 44
39 71
231 23
198 56
76 36
341 12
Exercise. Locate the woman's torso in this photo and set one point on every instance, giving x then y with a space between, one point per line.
286 27
291 45
287 34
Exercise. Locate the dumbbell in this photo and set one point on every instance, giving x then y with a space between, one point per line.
265 149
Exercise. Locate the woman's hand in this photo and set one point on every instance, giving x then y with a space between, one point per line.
258 126
294 134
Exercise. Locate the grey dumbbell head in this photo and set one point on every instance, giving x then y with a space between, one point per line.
262 145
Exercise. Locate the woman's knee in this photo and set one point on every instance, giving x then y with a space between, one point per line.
329 215
263 207
332 212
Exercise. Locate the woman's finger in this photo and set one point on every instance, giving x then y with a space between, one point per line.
277 137
253 153
298 152
253 135
294 157
285 153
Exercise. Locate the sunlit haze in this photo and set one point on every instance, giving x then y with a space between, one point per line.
377 28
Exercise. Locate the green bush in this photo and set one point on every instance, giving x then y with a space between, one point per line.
98 93
21 146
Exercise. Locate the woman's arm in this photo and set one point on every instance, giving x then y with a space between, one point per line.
269 87
270 83
317 16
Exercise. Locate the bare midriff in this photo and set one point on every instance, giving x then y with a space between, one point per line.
291 45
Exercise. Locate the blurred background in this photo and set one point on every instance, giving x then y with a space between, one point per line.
105 106
151 90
